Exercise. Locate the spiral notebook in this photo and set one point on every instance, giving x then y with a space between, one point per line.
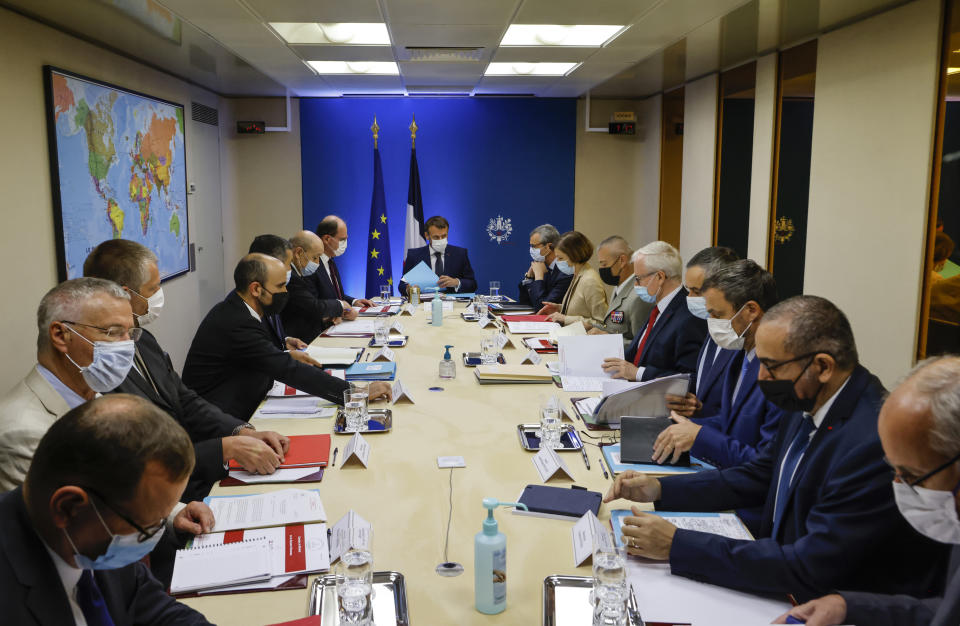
221 566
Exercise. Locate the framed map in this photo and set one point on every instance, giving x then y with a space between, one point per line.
118 167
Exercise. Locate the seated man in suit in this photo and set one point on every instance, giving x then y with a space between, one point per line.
705 392
627 313
543 282
233 362
669 341
282 250
306 314
829 516
920 432
217 437
333 233
102 481
448 262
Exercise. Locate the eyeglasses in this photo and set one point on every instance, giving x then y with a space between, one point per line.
145 534
114 333
772 365
913 481
637 279
602 440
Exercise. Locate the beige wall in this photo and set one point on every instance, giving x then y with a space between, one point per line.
761 177
870 177
27 241
699 165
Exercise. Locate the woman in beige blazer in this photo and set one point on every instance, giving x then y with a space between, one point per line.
586 298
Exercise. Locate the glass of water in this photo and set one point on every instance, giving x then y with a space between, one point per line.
355 410
610 586
354 587
480 309
550 423
494 290
384 293
488 347
381 332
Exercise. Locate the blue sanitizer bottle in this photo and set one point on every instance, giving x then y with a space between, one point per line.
436 310
490 562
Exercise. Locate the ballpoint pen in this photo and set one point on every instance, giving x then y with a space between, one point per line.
334 463
586 461
603 469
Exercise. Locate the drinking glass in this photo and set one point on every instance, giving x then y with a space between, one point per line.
610 586
354 410
550 423
480 309
354 584
494 290
488 347
384 293
381 332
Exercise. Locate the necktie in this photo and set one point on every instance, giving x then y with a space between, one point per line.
790 463
91 602
646 334
439 268
741 380
335 277
707 357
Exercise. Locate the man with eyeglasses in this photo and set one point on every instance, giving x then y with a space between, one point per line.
829 518
920 431
103 480
543 282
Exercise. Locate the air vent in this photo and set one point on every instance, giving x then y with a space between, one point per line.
443 54
204 114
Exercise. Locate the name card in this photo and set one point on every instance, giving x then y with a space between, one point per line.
483 322
358 449
384 354
504 341
532 357
408 309
396 327
401 392
588 535
352 532
549 465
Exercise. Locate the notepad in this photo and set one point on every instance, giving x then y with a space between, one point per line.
353 328
219 566
333 356
513 373
262 510
304 451
294 549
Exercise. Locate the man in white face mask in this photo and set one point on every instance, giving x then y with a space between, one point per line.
919 428
450 263
332 231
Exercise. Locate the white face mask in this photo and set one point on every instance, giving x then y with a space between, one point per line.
154 304
697 306
723 333
438 245
111 363
931 512
310 268
341 247
536 256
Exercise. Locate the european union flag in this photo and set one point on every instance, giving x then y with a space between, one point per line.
379 270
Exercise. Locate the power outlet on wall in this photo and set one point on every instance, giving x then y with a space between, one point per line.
191 188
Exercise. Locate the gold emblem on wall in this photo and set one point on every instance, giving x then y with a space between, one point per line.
783 229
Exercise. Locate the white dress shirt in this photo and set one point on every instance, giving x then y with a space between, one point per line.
662 305
69 576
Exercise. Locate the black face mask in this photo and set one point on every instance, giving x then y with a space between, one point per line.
607 276
276 305
783 394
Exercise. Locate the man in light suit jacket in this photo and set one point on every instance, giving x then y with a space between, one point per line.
627 313
448 262
115 466
829 517
670 339
918 427
543 282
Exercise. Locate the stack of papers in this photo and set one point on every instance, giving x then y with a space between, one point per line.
354 328
372 371
225 565
723 524
262 510
581 360
530 328
304 451
297 406
488 374
334 356
576 329
422 276
379 311
542 346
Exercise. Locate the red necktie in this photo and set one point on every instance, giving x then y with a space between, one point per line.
335 276
646 334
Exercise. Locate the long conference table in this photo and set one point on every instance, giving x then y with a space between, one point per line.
404 495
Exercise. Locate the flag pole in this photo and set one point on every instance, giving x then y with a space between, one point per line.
376 131
413 132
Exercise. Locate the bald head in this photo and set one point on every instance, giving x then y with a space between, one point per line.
260 270
307 248
332 230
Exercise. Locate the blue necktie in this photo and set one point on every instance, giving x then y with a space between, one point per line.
91 602
742 381
794 454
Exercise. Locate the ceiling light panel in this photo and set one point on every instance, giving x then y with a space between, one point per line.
342 33
585 35
367 68
530 69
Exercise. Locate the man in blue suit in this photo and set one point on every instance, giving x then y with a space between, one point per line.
670 340
448 262
543 282
829 517
705 393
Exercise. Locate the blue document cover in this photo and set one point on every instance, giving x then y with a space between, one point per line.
372 371
611 454
422 276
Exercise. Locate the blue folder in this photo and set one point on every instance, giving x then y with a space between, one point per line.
372 371
696 465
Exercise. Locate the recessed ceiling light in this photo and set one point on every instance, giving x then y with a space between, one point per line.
953 70
369 68
340 33
530 69
585 35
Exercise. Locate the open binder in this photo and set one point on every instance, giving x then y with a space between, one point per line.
647 399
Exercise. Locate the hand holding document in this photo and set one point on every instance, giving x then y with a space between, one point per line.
274 508
581 360
422 276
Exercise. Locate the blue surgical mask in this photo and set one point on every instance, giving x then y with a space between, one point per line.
697 306
536 256
111 363
122 550
565 267
310 268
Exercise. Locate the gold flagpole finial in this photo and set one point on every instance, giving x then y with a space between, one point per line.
376 131
413 132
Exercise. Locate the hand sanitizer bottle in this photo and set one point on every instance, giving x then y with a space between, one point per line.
448 367
436 310
490 562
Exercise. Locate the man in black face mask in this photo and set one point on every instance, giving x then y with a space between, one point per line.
627 313
829 517
233 362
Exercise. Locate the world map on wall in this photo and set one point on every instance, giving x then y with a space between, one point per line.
121 172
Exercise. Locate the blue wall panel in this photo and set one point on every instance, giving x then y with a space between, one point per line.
479 158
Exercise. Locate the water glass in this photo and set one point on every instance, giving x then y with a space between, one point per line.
354 410
488 347
494 290
610 586
480 309
381 332
354 585
550 423
384 293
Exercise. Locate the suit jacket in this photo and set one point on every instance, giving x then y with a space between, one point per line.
456 264
674 341
630 310
324 286
840 529
33 594
903 610
26 412
306 314
586 298
205 423
551 289
232 362
707 383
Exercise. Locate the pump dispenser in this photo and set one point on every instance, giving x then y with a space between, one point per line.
448 367
490 562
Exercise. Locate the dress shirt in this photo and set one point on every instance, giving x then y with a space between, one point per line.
255 315
662 305
71 397
69 576
433 265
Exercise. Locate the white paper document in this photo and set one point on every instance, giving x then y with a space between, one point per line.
309 553
352 328
357 448
333 356
352 531
588 535
532 328
577 329
239 563
283 390
296 407
400 392
588 406
549 464
282 475
274 508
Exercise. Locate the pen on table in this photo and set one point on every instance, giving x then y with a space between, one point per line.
602 468
586 461
334 463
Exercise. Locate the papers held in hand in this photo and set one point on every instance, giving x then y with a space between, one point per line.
422 276
619 398
495 374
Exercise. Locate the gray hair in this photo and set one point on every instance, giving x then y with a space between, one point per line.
816 325
743 281
937 381
712 258
123 261
68 301
617 244
659 256
547 233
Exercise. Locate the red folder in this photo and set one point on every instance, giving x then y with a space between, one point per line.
305 451
525 318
